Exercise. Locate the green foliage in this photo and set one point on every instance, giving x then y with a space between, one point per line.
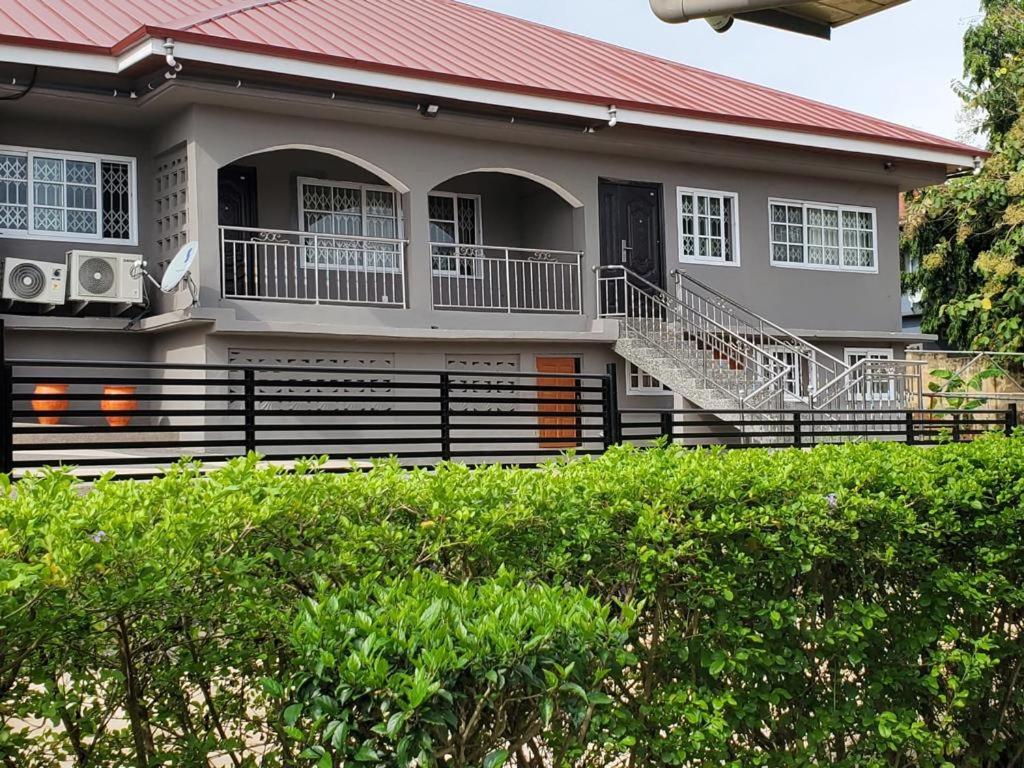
849 606
967 234
961 393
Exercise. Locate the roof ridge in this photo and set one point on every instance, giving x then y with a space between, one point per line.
215 14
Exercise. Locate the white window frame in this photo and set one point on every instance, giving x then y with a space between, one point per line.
478 226
840 209
694 258
310 263
873 353
772 351
635 372
31 153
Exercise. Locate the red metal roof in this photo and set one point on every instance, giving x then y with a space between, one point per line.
443 40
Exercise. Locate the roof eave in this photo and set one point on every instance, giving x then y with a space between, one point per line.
147 41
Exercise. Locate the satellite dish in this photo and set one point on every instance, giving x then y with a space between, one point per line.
180 268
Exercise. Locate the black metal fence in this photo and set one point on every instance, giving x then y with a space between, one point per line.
136 418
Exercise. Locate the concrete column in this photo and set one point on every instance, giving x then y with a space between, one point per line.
203 210
418 255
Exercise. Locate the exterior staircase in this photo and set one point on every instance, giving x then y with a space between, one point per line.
724 357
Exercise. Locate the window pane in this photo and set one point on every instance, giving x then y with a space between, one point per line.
316 197
348 200
318 222
81 197
13 167
13 192
80 172
442 231
467 221
441 208
116 190
347 224
48 169
81 222
49 194
710 237
380 203
48 219
379 226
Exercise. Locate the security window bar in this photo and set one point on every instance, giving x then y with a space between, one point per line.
350 220
55 196
708 229
454 229
821 236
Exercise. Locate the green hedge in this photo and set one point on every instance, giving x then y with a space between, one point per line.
852 606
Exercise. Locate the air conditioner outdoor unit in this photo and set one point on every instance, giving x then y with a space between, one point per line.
37 282
105 277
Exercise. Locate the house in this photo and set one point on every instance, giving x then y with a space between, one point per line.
430 185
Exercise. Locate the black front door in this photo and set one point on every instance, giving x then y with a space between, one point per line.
236 192
631 228
236 196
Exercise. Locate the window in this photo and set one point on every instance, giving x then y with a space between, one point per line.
880 388
708 227
642 383
358 226
67 196
454 224
822 236
793 378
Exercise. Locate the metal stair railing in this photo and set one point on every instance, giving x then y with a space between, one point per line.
827 383
725 361
815 364
785 370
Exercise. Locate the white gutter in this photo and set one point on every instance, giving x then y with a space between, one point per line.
339 74
678 11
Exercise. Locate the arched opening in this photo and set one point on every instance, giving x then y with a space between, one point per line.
503 241
310 225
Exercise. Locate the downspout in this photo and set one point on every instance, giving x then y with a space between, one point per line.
678 11
173 65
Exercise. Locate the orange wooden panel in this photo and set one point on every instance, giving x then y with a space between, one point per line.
557 431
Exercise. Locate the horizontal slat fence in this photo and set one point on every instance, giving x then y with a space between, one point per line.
216 413
159 414
801 429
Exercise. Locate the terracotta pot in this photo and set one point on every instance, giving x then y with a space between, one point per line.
121 406
51 404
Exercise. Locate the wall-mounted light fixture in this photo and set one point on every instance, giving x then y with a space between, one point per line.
428 110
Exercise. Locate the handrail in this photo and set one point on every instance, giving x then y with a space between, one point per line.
716 322
760 318
860 367
300 233
666 297
508 248
729 343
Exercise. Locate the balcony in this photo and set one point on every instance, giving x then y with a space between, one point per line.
501 279
282 265
300 226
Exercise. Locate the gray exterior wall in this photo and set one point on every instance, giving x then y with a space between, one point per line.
85 137
215 128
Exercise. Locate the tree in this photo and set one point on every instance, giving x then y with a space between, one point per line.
968 234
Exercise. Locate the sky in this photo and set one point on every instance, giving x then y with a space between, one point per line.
898 65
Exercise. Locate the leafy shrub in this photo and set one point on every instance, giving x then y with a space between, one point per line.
854 605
